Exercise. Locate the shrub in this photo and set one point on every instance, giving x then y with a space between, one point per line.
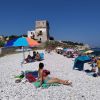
2 43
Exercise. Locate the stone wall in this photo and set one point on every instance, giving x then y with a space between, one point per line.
4 51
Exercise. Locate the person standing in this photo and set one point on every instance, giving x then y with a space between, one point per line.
94 60
98 65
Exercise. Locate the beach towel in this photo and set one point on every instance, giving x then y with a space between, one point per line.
34 73
30 78
31 75
44 85
41 56
20 76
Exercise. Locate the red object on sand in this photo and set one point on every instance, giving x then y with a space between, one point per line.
30 78
46 72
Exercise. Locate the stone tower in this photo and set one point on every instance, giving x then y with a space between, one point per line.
42 30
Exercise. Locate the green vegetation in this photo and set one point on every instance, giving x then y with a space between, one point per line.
14 36
73 43
2 43
64 44
50 43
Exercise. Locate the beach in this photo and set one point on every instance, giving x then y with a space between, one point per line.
84 87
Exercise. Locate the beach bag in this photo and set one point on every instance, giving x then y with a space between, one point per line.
46 72
94 75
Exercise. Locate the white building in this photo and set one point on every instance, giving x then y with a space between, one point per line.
30 34
41 32
1 38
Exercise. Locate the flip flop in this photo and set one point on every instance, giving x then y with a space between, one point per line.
17 80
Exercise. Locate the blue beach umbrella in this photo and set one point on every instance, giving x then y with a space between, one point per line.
83 58
79 62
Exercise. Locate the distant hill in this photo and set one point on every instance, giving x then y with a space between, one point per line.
72 43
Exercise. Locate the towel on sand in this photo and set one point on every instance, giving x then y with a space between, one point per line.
31 76
44 85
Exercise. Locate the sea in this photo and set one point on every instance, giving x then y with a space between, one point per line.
96 51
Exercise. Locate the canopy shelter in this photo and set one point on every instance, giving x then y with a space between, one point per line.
79 62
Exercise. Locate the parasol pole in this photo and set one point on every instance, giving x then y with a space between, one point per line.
23 56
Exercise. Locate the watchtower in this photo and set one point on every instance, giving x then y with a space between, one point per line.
42 30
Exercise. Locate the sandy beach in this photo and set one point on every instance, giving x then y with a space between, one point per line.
84 87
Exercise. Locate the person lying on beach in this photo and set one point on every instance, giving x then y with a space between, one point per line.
29 59
44 78
37 57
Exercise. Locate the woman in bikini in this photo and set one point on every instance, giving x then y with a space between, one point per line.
44 78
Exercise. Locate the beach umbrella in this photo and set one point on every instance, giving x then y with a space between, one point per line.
82 51
89 51
59 48
65 49
71 50
23 42
83 58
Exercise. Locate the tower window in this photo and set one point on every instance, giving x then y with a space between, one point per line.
43 23
31 33
40 33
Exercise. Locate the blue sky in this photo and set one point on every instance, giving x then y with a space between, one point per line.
75 20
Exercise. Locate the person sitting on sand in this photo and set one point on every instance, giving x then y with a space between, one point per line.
28 59
93 63
44 78
34 55
37 57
